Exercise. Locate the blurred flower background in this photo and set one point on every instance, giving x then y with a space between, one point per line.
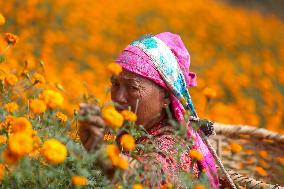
236 52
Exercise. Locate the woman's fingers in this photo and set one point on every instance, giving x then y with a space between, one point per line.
88 108
95 121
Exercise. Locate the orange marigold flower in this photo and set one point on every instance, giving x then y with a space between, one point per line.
9 157
54 151
79 180
199 186
122 163
20 144
37 106
11 79
21 124
112 150
137 186
114 68
38 78
167 186
112 117
261 171
108 137
2 171
209 93
52 98
195 155
61 117
235 147
2 19
11 107
3 139
129 115
11 38
127 142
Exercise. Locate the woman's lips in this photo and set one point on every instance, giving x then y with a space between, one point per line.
120 107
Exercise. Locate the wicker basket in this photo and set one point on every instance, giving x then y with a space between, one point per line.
261 159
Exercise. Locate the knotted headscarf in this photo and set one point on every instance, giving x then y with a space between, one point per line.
164 59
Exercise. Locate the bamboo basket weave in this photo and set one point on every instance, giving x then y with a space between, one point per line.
260 162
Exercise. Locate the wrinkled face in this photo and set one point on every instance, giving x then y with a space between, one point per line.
141 95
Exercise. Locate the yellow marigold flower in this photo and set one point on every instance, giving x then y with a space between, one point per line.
11 107
11 79
235 147
195 155
54 151
122 163
108 137
209 92
2 19
37 106
114 68
261 171
79 180
129 115
3 139
127 142
21 124
112 117
137 186
38 78
11 39
2 171
20 144
199 186
61 117
52 98
112 150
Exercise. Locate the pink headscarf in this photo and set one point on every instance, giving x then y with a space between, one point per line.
137 61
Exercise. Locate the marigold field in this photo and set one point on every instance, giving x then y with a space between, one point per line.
54 55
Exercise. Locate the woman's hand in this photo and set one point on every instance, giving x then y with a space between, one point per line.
91 130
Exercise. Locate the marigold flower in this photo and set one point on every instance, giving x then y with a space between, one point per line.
2 19
199 186
209 93
20 144
195 155
112 150
167 186
38 78
129 115
261 171
122 163
137 186
3 139
52 98
61 117
108 137
114 68
112 117
54 151
37 106
11 79
79 180
2 169
9 157
11 107
127 142
235 148
11 39
21 124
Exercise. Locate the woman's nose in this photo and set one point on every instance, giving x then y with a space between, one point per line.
120 96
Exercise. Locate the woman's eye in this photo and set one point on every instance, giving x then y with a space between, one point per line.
133 87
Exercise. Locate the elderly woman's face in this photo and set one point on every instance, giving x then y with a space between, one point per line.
131 90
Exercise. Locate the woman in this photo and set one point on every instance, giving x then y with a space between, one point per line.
155 75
